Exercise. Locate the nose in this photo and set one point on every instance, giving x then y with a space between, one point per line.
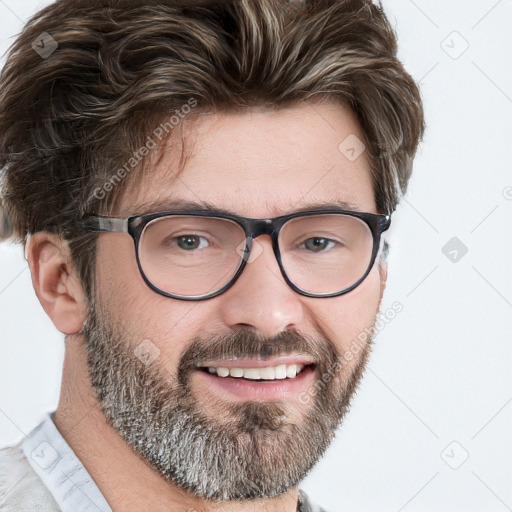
261 298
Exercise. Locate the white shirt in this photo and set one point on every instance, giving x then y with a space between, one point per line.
43 474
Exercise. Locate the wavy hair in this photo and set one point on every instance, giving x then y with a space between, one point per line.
119 68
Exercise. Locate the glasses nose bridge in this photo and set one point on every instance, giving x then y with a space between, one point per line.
258 227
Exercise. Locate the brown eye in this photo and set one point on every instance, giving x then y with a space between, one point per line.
318 244
190 242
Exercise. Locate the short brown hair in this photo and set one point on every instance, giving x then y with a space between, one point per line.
70 119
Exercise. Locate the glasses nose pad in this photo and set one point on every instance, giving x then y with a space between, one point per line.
251 249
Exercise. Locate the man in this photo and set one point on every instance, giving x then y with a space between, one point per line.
202 188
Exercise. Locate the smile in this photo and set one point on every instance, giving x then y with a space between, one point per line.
282 377
279 372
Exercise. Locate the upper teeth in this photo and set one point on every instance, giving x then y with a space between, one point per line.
281 371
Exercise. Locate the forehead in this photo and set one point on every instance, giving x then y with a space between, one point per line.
261 163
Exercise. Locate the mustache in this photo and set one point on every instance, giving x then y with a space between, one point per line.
248 343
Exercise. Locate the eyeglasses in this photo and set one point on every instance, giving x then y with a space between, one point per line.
199 254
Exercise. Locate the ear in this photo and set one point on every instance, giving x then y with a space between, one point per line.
55 281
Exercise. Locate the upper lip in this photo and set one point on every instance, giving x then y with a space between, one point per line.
258 363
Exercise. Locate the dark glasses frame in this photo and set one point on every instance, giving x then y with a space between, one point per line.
135 225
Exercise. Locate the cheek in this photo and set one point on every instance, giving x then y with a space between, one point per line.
119 284
149 320
342 319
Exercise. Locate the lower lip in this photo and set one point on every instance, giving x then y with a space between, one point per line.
243 389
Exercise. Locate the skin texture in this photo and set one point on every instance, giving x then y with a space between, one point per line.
258 163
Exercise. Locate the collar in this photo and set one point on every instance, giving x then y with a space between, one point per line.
66 478
61 470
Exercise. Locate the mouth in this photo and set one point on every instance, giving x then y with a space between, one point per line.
267 373
254 379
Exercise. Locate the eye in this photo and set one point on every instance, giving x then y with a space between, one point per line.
318 244
191 242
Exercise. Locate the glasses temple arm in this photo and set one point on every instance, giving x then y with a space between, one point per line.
109 224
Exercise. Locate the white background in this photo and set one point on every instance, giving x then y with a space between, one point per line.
438 388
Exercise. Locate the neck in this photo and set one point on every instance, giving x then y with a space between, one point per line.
125 480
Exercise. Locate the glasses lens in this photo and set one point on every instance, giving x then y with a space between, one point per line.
325 253
191 256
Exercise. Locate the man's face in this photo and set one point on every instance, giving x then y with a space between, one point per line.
219 437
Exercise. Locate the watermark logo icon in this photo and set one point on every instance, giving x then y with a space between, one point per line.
297 4
454 249
254 253
455 455
44 45
352 147
454 45
147 351
44 455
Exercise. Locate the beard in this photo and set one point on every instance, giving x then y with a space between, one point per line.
229 450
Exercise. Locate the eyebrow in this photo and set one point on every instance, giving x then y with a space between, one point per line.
186 205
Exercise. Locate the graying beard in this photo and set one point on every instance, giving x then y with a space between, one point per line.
254 453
